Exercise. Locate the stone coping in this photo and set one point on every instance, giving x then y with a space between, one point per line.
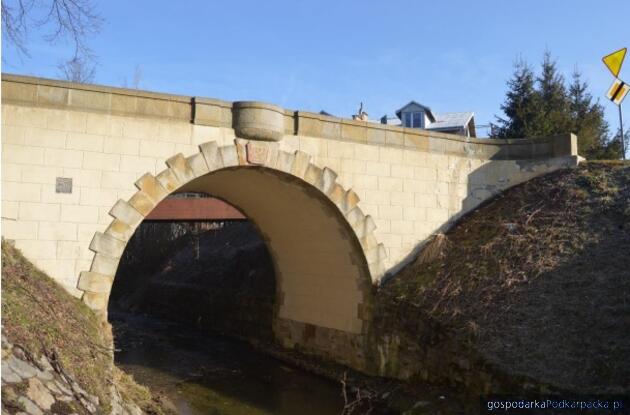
26 90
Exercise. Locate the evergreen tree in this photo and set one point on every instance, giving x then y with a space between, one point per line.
519 106
587 119
552 115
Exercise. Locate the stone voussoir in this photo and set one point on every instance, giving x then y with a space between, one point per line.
124 212
198 164
210 152
95 282
169 180
180 168
142 202
107 245
152 187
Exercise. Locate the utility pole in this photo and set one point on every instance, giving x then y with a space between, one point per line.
623 139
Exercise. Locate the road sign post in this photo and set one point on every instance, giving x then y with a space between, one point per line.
619 89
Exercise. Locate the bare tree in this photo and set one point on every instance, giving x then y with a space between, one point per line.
77 69
138 76
59 20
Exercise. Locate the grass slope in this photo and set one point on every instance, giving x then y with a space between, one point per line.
42 318
537 280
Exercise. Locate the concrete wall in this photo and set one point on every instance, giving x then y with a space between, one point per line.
392 187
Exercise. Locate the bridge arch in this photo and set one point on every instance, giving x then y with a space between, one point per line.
325 254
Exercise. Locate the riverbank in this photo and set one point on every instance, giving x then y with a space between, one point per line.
56 355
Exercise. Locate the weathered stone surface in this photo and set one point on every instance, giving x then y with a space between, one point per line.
95 282
229 156
119 230
151 187
210 152
126 214
8 375
141 202
168 180
107 245
327 181
103 264
180 168
39 394
29 406
197 163
300 164
20 367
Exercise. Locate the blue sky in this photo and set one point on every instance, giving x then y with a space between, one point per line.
331 55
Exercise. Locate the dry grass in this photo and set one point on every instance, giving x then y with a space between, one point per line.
43 318
542 253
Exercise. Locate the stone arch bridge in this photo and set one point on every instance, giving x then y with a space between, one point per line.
340 203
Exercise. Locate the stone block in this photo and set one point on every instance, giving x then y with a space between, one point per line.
82 141
151 187
142 202
12 229
285 161
126 213
168 180
100 161
198 165
390 212
354 216
228 155
136 164
118 180
210 152
57 231
20 154
79 214
96 301
10 210
119 230
44 137
390 184
394 138
180 168
105 244
37 249
21 192
327 181
341 149
20 92
94 100
122 146
156 149
391 155
94 282
103 264
300 164
313 174
39 211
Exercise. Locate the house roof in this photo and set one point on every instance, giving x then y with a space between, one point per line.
450 120
427 110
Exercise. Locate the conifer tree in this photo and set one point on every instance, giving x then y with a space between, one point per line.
519 106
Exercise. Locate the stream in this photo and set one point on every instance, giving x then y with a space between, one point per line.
206 374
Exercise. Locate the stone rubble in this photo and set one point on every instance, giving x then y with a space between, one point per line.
35 388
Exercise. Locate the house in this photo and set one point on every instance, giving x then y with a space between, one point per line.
415 115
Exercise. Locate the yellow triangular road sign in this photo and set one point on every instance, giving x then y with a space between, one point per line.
614 61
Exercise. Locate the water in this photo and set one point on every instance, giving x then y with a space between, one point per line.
207 374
